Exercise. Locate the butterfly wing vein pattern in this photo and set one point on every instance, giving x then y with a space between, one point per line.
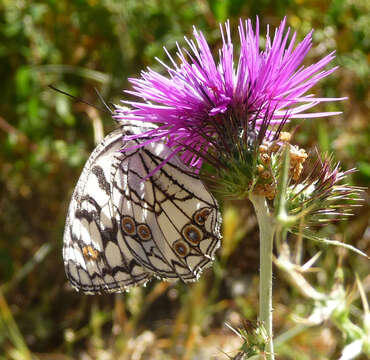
122 229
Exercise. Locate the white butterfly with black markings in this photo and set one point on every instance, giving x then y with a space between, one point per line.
123 228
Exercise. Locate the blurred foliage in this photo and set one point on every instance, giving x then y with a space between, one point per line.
79 45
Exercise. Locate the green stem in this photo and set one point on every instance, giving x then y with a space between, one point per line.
267 230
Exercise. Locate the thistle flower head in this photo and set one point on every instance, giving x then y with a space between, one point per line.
321 197
254 337
213 110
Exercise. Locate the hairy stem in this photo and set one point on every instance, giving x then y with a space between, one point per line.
266 225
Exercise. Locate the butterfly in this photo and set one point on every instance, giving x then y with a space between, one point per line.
124 227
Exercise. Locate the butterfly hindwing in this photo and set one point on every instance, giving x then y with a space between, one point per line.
124 227
169 203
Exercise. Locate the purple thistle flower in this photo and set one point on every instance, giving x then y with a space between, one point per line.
202 105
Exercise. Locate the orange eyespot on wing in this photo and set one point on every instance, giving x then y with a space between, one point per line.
128 225
144 232
201 216
192 234
181 248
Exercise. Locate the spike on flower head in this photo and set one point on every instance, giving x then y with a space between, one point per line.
205 107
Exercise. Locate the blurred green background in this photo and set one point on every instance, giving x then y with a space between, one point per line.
45 138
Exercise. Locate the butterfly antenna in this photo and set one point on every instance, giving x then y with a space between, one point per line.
103 101
77 99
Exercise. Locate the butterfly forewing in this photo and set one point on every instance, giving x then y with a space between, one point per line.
124 227
95 260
